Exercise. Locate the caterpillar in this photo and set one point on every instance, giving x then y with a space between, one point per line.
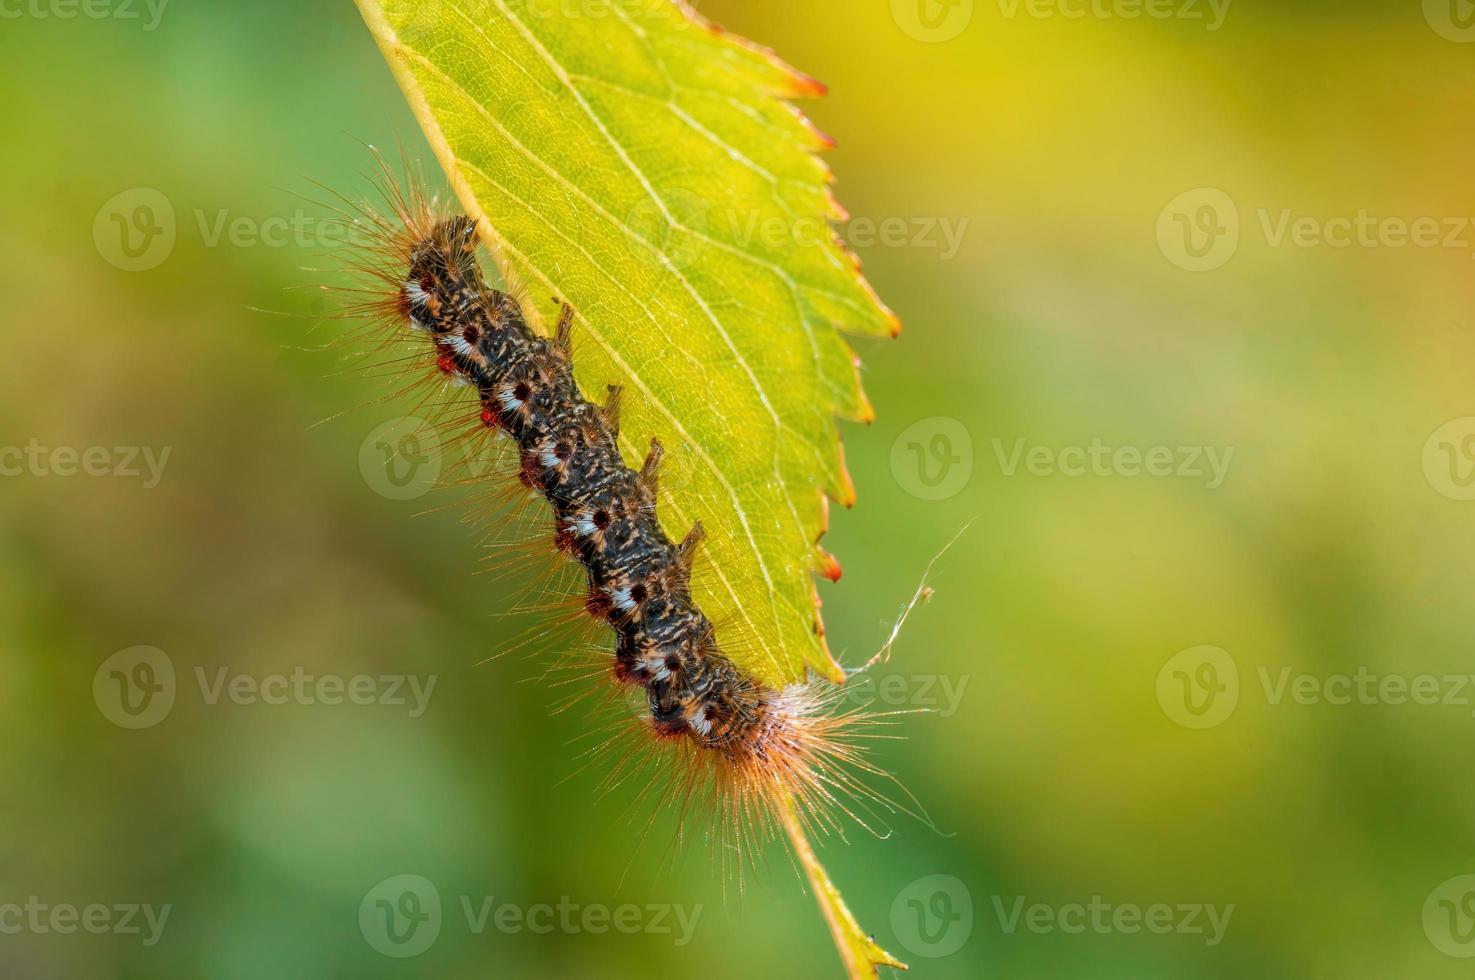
604 512
764 748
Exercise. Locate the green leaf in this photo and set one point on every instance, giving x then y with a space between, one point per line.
641 164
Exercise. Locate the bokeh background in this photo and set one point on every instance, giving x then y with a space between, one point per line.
1114 641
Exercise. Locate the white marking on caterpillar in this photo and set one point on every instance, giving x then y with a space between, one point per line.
583 526
549 458
621 599
415 294
701 722
507 397
458 343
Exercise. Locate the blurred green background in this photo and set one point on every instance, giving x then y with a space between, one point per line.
1116 187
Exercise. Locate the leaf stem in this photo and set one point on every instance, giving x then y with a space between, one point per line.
858 951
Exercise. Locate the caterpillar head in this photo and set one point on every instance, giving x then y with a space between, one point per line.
444 275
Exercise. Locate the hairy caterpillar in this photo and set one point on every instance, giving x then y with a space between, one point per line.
764 749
